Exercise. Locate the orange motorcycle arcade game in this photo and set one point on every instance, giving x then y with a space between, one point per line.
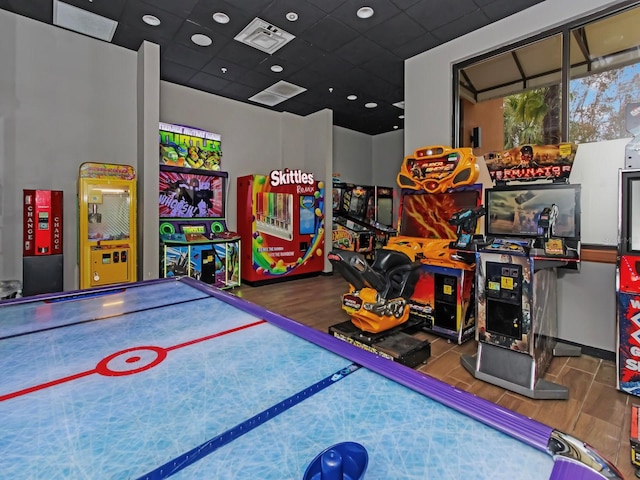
422 280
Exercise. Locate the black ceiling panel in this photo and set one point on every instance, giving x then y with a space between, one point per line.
503 8
202 14
347 13
41 10
181 8
360 50
107 8
308 15
329 34
224 69
396 31
176 73
326 5
208 83
432 15
333 49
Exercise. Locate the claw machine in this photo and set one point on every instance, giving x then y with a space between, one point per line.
281 223
107 224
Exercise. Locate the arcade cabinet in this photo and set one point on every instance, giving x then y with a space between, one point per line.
42 259
107 230
194 237
281 223
531 231
417 283
628 284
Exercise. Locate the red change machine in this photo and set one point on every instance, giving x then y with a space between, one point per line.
42 261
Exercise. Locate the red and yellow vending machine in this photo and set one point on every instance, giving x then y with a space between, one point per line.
281 223
107 224
42 261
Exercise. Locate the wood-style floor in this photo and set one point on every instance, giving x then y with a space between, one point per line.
595 412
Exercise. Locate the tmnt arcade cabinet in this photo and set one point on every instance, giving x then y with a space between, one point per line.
194 238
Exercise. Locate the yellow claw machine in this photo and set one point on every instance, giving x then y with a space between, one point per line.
107 224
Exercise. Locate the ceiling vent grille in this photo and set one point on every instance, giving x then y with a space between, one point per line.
276 93
264 36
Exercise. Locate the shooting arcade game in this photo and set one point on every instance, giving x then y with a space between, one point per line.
419 282
107 224
195 240
281 222
362 217
531 230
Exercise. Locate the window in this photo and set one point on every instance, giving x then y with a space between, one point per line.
516 95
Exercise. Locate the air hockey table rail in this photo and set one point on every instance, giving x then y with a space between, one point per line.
174 378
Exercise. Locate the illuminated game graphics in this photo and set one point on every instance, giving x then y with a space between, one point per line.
127 362
179 193
429 215
438 169
266 263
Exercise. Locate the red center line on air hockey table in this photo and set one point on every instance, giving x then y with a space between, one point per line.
134 355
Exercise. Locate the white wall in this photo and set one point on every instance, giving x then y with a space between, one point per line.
586 300
65 99
352 156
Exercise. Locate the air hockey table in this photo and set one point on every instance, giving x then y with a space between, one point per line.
173 378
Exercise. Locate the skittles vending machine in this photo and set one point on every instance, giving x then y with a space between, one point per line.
281 223
107 224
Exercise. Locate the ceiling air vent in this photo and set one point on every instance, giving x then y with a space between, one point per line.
264 36
276 93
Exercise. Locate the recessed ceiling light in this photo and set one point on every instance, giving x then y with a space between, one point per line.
220 17
330 89
200 39
365 12
276 68
292 16
401 117
151 20
352 97
371 105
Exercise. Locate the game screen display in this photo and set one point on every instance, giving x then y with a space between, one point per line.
515 211
385 211
190 194
427 215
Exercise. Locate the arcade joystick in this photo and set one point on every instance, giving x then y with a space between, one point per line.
342 461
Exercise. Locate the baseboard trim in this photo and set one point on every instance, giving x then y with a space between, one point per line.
591 351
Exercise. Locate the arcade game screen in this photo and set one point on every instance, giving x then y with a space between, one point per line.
514 211
385 211
427 215
187 194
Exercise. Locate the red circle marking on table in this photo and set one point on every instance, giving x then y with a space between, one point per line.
103 365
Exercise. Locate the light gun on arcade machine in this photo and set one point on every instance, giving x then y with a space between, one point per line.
466 223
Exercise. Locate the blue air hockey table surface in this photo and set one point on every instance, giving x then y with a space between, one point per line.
173 378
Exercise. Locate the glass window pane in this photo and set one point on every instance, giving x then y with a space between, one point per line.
513 98
605 76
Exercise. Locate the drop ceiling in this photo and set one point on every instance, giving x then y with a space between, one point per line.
333 53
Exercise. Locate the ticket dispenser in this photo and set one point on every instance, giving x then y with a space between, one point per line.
107 224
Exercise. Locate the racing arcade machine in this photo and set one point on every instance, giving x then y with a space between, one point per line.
532 230
416 278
